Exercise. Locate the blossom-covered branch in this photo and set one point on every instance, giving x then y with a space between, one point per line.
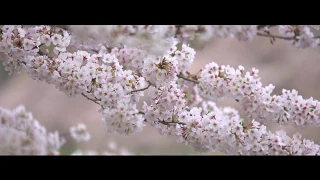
157 37
220 129
177 102
209 128
217 82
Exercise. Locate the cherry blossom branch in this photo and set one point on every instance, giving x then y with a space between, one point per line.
299 36
163 122
111 77
170 123
280 37
259 27
187 79
221 129
40 52
275 36
21 62
93 100
143 89
257 102
260 107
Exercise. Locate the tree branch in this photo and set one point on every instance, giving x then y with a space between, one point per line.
22 62
170 123
163 122
93 100
275 36
137 90
262 26
187 79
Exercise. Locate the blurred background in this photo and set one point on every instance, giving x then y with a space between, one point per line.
280 64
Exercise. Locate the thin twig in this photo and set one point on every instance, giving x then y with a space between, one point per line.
170 123
141 89
93 100
187 79
163 122
22 62
275 36
262 26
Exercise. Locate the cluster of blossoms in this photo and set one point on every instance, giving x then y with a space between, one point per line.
152 38
99 75
216 82
191 92
240 32
155 38
157 70
21 134
166 104
115 78
80 133
131 34
209 128
23 43
162 70
302 37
